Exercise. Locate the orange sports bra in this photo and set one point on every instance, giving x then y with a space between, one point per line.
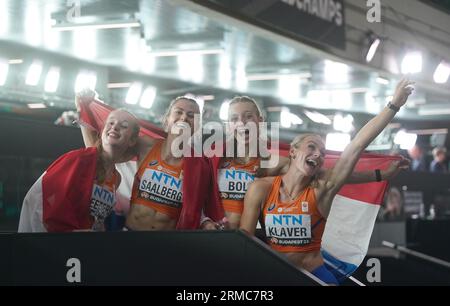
159 185
234 180
292 227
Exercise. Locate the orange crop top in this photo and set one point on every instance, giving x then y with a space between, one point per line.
234 180
159 185
292 227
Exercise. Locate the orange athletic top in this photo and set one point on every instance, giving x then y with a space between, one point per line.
233 180
158 185
293 227
103 200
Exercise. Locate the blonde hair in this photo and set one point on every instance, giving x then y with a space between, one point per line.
297 141
171 105
247 99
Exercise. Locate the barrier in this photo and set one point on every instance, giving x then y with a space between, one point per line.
169 258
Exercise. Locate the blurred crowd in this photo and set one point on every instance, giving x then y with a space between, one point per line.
419 162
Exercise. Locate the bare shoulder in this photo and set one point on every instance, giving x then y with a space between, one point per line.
145 144
258 192
279 167
260 187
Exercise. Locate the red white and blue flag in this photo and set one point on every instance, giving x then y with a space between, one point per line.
352 217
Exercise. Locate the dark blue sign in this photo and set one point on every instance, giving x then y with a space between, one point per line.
320 21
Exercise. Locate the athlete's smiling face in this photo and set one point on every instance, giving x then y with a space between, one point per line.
182 113
119 130
308 155
240 114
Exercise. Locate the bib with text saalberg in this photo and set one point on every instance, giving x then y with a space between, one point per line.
288 230
161 188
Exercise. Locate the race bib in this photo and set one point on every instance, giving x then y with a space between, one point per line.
233 184
161 188
288 230
102 203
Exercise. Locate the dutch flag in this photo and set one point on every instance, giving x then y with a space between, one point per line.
352 217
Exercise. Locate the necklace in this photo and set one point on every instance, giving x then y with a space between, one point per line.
286 192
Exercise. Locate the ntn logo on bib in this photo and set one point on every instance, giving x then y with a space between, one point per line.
288 226
162 178
235 181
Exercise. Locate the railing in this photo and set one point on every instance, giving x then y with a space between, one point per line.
416 254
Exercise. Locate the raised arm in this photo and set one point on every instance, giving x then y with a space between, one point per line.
90 137
346 163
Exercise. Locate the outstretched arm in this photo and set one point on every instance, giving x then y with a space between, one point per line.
346 163
369 176
355 177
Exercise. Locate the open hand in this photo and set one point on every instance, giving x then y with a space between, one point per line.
402 91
